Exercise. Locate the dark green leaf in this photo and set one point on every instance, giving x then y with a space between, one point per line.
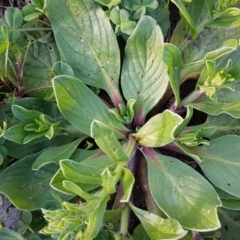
27 189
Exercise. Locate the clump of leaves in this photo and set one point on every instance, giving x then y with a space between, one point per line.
94 115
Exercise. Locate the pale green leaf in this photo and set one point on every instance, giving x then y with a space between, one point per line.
157 227
80 172
13 17
107 141
182 193
173 59
186 16
128 181
87 42
80 106
55 154
95 220
228 18
221 163
159 130
75 189
59 178
144 74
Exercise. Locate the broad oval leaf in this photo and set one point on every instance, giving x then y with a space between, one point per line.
87 42
221 163
157 227
144 74
80 106
27 189
159 130
182 193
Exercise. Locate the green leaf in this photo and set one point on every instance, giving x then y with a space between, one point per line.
108 181
185 15
59 178
74 188
25 115
159 130
108 3
8 234
215 107
128 181
93 54
16 134
144 74
195 60
80 106
228 201
157 227
224 124
80 172
55 154
230 221
13 17
107 141
182 193
173 59
228 18
30 12
27 189
95 220
61 68
220 163
38 3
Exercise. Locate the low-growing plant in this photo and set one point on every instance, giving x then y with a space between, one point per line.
100 127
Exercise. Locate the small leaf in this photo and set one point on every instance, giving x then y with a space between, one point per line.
159 130
75 189
157 227
183 193
108 181
173 59
185 15
107 141
13 17
128 181
61 68
221 163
